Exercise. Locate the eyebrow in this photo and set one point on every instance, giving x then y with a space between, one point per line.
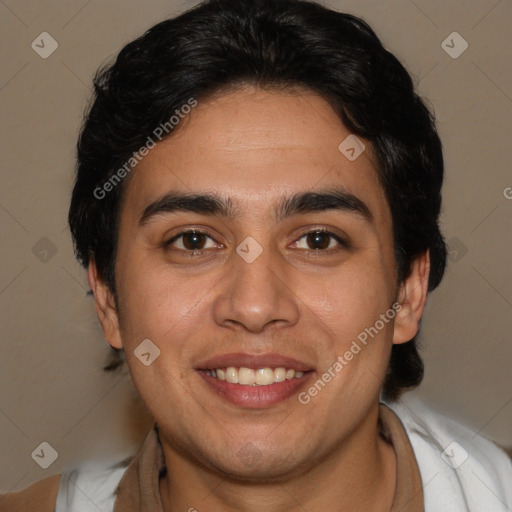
337 199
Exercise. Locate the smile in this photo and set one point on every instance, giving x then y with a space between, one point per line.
259 377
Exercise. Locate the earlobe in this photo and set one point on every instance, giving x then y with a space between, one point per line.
105 307
412 298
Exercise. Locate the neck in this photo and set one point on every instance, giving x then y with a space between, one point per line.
358 474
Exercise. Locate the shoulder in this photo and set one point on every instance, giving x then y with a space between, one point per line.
90 487
440 432
87 488
455 461
41 496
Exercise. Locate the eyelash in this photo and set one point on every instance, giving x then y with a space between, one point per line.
198 252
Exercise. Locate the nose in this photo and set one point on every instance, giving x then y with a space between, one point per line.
256 295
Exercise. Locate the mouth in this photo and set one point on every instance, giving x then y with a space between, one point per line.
254 381
254 377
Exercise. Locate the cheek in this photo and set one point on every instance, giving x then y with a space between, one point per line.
355 359
350 299
157 306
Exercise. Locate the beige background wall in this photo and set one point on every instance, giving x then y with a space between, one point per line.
52 386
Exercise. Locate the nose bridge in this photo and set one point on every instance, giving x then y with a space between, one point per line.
255 292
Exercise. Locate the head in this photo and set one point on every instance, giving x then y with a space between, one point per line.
230 120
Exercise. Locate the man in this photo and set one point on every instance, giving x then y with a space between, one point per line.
257 203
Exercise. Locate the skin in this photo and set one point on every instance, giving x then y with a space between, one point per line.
255 147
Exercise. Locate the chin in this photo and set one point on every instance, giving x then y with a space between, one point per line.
250 464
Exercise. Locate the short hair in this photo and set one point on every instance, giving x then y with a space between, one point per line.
281 44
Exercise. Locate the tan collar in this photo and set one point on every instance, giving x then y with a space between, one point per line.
139 489
409 488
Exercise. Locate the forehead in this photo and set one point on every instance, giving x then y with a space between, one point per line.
255 146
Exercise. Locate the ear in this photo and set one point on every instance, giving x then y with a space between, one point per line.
412 296
105 307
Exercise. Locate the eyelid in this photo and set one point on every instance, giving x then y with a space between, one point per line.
187 231
342 241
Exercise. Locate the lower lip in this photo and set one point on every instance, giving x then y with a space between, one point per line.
256 397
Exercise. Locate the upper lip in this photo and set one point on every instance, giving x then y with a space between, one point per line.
238 360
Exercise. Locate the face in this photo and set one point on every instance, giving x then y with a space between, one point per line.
283 265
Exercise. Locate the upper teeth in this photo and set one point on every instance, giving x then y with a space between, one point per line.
250 377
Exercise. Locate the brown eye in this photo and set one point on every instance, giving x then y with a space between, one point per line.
191 241
320 240
194 241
